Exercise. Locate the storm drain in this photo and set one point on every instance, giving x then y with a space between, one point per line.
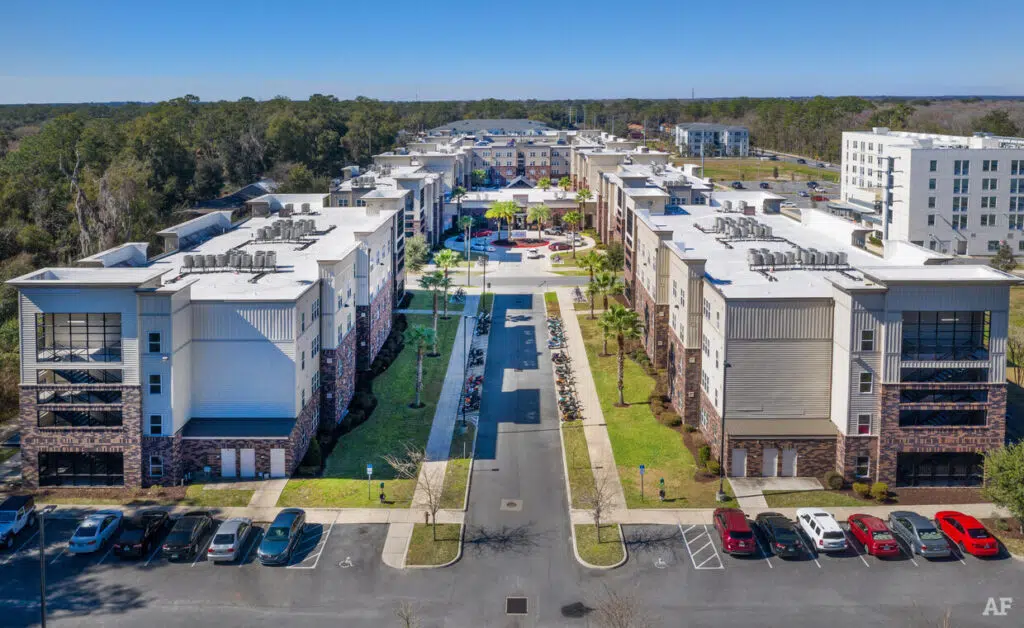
515 606
515 505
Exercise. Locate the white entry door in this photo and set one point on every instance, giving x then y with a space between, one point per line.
277 463
248 463
227 463
789 463
770 463
739 463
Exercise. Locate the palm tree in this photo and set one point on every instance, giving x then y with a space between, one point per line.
625 325
592 291
466 224
565 184
446 259
432 281
606 331
544 183
539 214
502 210
582 196
592 261
420 337
457 193
443 284
572 219
609 284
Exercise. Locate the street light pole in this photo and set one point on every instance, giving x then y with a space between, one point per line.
42 565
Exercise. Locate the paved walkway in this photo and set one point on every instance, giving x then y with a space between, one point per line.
267 493
750 491
599 446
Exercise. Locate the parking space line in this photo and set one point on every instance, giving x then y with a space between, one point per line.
765 555
201 553
322 543
107 554
703 532
153 555
850 542
59 555
10 557
252 546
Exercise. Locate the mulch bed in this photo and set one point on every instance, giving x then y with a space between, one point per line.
925 496
153 495
693 442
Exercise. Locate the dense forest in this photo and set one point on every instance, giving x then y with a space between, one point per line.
75 179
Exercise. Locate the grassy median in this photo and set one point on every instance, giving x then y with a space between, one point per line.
424 550
610 551
577 461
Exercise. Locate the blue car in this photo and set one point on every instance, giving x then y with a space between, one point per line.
282 536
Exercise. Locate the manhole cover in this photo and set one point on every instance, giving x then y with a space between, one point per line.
514 505
515 606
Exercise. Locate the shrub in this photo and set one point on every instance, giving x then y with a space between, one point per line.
704 454
689 429
880 491
861 489
833 480
313 457
713 467
1002 525
670 419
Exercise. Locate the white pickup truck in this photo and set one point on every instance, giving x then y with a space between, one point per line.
16 512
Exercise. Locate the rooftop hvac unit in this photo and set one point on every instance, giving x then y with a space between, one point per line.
767 231
757 259
233 258
187 261
270 260
843 257
833 258
257 260
752 255
305 208
211 261
277 230
742 204
246 260
805 256
779 258
727 205
200 261
222 260
790 258
736 232
289 206
719 224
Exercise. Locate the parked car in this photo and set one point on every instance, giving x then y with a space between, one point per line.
967 532
186 535
737 185
822 165
16 513
140 533
918 533
460 238
822 529
781 534
812 184
874 535
553 231
773 157
819 198
559 246
802 161
803 193
282 536
788 204
480 233
733 530
534 254
765 186
94 531
229 540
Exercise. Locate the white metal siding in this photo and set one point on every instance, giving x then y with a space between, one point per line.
779 319
243 321
778 379
243 379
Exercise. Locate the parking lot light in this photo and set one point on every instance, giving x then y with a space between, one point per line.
42 564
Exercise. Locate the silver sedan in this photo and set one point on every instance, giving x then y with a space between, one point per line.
229 540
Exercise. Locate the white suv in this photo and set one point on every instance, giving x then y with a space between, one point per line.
822 528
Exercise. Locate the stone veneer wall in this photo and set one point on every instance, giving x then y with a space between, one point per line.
814 457
125 438
684 378
655 339
848 448
712 430
894 439
169 447
339 378
373 324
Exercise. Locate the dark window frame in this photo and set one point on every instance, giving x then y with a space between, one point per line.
90 337
46 417
81 468
946 335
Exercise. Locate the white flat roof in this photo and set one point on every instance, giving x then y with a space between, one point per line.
116 276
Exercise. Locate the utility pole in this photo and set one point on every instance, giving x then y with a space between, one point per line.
721 496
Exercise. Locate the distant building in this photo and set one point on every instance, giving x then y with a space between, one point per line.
492 126
712 140
952 194
235 202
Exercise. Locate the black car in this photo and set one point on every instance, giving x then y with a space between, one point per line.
281 537
812 184
140 534
765 186
781 534
736 185
801 161
186 535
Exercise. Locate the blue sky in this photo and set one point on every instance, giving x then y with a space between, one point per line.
102 50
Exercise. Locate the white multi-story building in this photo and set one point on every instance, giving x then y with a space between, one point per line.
953 194
220 356
712 140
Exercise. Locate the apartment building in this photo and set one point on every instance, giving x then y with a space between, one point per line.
477 203
712 140
631 186
952 194
592 160
218 357
423 205
819 355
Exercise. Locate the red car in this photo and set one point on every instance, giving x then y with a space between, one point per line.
874 535
967 532
481 233
559 246
734 531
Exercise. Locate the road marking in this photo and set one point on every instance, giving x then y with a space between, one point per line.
322 543
20 548
765 555
59 555
152 556
259 534
849 540
201 553
702 532
107 554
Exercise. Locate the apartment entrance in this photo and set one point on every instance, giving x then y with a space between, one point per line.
227 463
770 462
738 468
789 463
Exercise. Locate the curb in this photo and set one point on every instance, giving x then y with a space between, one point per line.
458 556
622 541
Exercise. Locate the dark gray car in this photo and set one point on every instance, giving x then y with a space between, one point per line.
282 536
919 534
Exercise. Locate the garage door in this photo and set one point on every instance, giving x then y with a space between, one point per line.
277 463
770 463
789 463
227 463
739 463
248 463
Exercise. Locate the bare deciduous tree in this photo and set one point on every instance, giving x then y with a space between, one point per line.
406 613
598 499
620 610
1015 355
429 479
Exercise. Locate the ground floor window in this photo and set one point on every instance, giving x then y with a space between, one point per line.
81 469
863 467
939 469
156 466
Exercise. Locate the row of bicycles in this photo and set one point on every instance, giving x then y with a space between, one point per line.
459 296
476 357
483 324
471 393
578 296
556 334
565 381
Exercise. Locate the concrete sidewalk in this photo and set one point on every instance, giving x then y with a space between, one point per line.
440 440
599 446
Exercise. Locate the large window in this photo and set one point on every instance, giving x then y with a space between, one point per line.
941 418
945 335
79 376
939 469
943 396
79 396
81 469
78 337
79 418
944 375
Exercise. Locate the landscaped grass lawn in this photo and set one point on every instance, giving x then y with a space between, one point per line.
422 300
608 552
392 425
192 495
196 496
424 550
577 460
551 301
754 169
638 439
456 476
572 273
486 302
820 499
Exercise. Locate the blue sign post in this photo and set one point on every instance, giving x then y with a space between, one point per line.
369 475
642 469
